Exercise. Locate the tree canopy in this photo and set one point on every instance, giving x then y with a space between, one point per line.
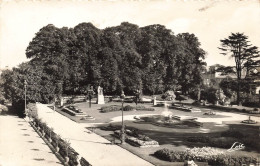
125 57
245 55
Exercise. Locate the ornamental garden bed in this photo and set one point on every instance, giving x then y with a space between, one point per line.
136 139
73 111
168 121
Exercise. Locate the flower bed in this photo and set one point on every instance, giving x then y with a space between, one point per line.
141 143
206 154
165 121
111 108
136 139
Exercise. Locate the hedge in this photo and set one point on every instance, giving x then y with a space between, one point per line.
113 108
205 154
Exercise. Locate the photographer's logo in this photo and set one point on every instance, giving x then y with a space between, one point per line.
236 146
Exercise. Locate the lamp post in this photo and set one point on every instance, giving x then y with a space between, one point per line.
123 126
54 104
90 93
25 88
59 91
137 96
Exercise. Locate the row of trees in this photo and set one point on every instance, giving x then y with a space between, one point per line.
125 57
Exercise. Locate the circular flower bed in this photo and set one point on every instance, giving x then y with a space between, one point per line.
168 121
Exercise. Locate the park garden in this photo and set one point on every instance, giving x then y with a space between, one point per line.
164 134
148 64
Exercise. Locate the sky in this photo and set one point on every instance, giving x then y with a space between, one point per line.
209 20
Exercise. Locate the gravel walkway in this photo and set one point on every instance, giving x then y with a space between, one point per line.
20 145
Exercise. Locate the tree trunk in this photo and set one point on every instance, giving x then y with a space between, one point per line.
238 93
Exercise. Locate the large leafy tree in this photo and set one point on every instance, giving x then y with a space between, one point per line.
110 58
191 62
158 48
245 55
129 35
86 54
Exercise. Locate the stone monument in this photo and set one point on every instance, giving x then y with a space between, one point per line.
154 101
100 96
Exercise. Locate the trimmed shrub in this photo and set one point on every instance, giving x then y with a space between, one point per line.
128 108
113 108
244 110
143 108
110 108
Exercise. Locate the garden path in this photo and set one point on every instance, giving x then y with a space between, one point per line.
20 145
94 148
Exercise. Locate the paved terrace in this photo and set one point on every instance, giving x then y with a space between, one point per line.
94 148
20 145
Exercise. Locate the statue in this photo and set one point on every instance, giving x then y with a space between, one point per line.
100 97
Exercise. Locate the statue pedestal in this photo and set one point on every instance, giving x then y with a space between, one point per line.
100 99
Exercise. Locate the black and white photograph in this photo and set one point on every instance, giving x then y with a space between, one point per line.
129 83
